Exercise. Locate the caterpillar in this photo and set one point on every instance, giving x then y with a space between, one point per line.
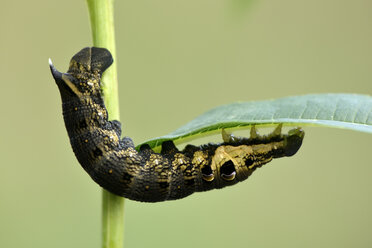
144 175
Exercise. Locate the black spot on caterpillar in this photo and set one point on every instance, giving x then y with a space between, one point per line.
144 175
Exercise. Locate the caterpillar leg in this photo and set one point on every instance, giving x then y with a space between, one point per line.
228 137
277 131
254 133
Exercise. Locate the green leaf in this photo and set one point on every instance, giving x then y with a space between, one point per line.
350 111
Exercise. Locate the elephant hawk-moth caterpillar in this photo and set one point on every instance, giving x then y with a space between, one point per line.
144 175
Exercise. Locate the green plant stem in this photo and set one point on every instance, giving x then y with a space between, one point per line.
102 23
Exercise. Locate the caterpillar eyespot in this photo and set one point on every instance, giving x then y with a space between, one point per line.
144 175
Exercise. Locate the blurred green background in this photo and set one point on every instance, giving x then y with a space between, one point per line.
177 59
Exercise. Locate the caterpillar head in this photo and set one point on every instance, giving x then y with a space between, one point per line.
84 73
293 141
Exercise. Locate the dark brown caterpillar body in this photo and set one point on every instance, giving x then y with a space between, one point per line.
144 175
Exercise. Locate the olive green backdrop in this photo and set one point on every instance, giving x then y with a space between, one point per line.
177 59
